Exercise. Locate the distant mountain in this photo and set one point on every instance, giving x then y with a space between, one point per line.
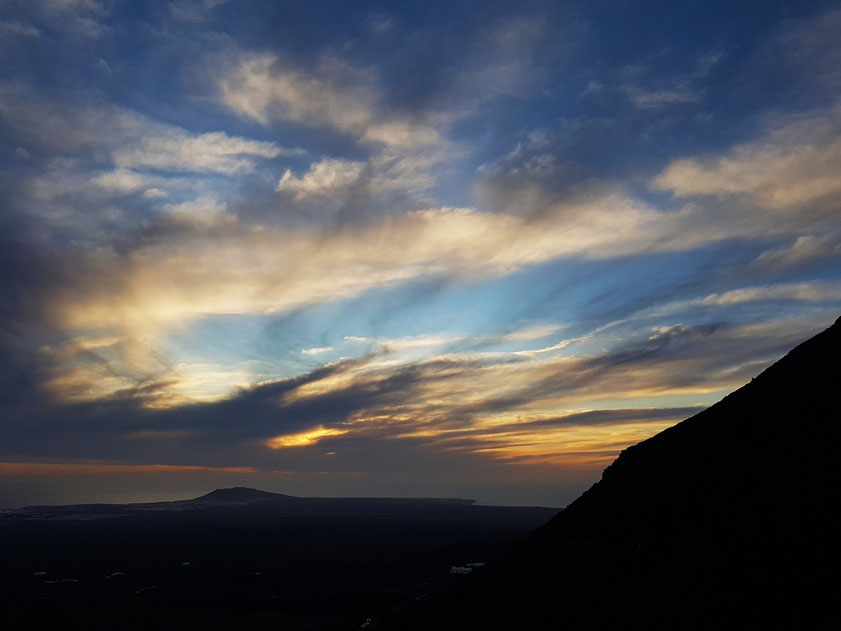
727 520
219 498
240 494
243 498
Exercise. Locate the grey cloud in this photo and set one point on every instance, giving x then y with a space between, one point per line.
651 99
129 139
807 53
11 29
195 11
333 93
28 277
803 250
380 23
619 416
75 19
645 89
337 192
664 342
503 60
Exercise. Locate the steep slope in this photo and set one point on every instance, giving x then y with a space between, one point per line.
726 520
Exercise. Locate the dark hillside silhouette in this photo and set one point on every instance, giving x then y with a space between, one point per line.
240 494
724 521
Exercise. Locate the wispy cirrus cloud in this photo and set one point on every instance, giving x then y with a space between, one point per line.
786 293
131 140
214 152
332 93
328 178
259 275
317 350
646 89
655 98
793 165
121 180
197 226
195 11
80 20
567 410
806 291
335 180
12 28
177 277
804 249
9 469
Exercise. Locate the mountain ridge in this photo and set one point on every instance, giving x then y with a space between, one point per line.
229 498
239 494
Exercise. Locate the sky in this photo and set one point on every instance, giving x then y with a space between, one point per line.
437 249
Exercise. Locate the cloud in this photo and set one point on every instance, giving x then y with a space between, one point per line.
394 346
70 199
79 19
121 181
380 23
223 266
318 350
28 275
215 152
132 140
303 439
121 232
788 293
336 182
13 469
804 249
11 28
646 91
73 5
570 410
154 193
179 276
92 368
327 178
201 213
501 61
334 93
655 99
531 333
465 401
806 53
805 291
794 166
193 10
198 258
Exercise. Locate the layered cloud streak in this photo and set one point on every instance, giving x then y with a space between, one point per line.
297 260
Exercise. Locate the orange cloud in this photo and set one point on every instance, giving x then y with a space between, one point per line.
303 439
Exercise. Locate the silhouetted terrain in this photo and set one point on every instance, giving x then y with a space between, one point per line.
724 521
239 558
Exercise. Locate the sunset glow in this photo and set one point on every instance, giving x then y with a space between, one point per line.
303 439
421 245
